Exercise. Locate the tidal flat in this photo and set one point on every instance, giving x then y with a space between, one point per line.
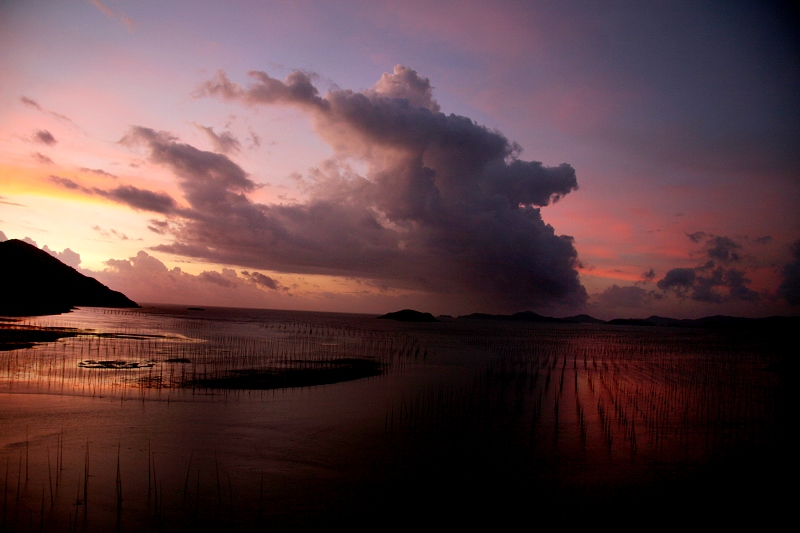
167 419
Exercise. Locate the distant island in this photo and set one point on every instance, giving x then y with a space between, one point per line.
409 315
36 283
715 322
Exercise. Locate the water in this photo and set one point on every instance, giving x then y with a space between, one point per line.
467 423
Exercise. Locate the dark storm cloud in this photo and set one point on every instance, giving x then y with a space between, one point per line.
713 281
446 205
678 280
723 249
44 137
224 142
140 199
649 276
736 283
630 297
790 286
439 154
262 280
766 239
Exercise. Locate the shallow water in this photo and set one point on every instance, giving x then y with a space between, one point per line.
470 423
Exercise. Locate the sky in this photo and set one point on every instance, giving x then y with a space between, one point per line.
620 159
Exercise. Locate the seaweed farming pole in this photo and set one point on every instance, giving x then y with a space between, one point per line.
86 484
5 495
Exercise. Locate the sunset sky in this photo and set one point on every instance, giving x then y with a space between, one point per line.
617 158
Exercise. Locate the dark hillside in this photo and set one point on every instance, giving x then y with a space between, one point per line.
36 283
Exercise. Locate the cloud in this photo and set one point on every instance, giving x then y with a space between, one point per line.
110 233
35 105
140 199
766 239
630 297
99 172
723 249
68 257
255 140
224 142
446 206
712 281
790 286
648 277
736 283
208 180
697 236
146 279
262 280
158 226
126 21
678 280
296 89
405 84
44 137
224 279
30 102
6 202
69 184
41 158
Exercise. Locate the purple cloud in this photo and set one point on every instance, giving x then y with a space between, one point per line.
69 184
140 199
447 206
30 102
98 172
218 278
224 142
261 280
44 137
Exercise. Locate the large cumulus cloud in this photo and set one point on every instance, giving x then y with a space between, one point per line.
445 204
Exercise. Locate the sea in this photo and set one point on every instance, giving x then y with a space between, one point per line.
169 418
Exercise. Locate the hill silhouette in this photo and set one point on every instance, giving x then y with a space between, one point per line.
409 315
36 283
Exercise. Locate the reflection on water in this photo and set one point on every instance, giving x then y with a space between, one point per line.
463 423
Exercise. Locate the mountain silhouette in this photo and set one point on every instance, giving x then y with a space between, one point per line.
36 283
